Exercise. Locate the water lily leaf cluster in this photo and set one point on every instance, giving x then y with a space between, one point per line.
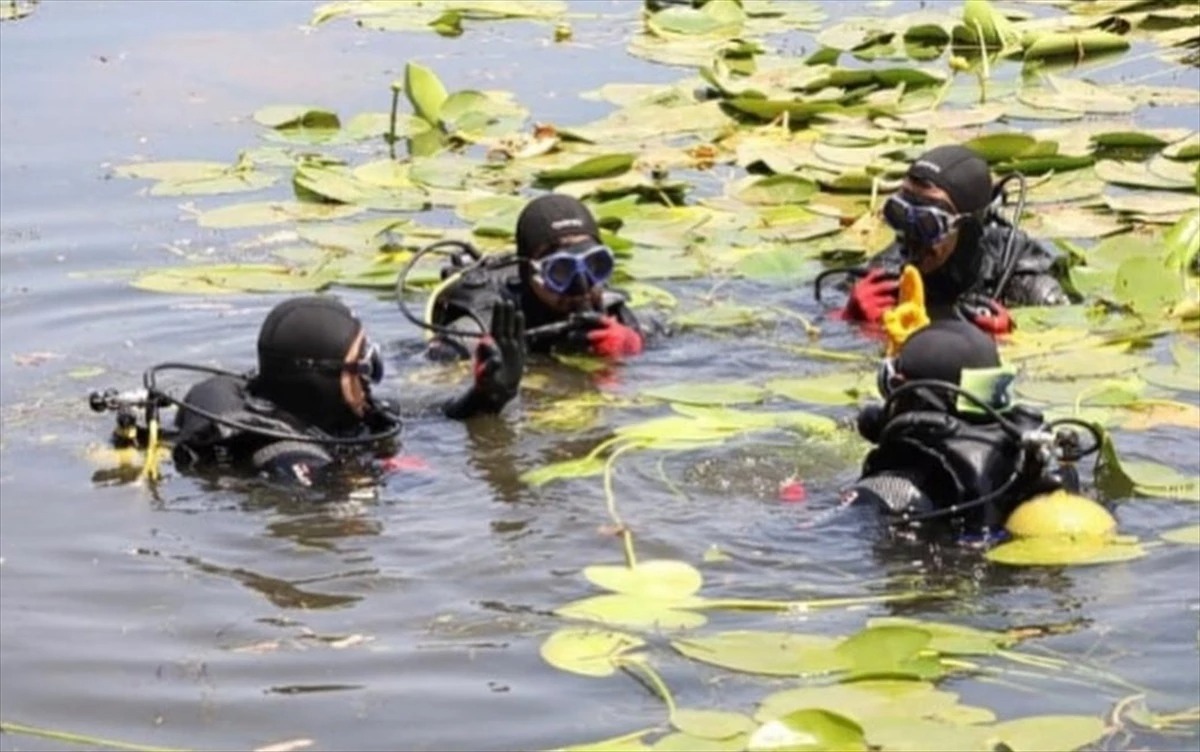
873 689
444 17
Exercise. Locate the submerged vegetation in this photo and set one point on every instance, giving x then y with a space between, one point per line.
764 165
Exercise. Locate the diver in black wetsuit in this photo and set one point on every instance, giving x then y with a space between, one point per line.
974 264
309 405
557 277
940 454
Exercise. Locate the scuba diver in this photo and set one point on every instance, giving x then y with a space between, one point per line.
951 445
309 405
557 278
974 261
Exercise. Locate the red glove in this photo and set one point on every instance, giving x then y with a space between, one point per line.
992 317
612 339
871 296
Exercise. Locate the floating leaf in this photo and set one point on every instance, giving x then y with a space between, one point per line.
951 639
605 166
1001 147
827 389
576 468
1155 202
1044 733
297 116
728 393
1141 283
1064 551
1151 414
660 579
778 189
889 651
273 212
812 730
770 653
628 611
861 700
1076 46
1137 175
1189 534
425 92
226 278
711 724
590 652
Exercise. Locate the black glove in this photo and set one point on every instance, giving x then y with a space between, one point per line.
498 363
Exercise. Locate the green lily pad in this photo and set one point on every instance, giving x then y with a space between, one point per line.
273 212
1185 148
1044 733
916 734
229 278
1076 46
770 653
604 166
1062 551
1137 175
812 730
951 639
861 700
576 468
661 579
827 389
680 742
729 393
425 92
889 651
297 116
1141 284
1189 535
774 190
1001 147
589 652
1156 202
620 610
711 724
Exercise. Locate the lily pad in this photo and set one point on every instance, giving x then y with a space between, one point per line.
951 639
661 579
1064 551
770 653
620 610
811 730
604 166
729 393
711 724
425 92
889 651
589 652
1044 733
229 278
273 212
576 468
1189 535
775 190
827 389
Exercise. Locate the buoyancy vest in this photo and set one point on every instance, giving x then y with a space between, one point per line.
953 460
202 441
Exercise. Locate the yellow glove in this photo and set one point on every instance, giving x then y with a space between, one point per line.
909 314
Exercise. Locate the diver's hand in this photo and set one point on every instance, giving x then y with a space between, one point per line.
991 316
500 357
612 339
875 293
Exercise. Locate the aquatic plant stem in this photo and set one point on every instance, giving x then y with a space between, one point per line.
82 740
610 501
985 71
651 676
392 122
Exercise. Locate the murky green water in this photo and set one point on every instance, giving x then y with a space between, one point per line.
212 617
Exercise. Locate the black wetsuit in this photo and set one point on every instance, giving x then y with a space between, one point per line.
976 266
932 460
465 305
200 442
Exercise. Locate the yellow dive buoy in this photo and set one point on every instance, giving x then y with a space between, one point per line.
1060 514
909 315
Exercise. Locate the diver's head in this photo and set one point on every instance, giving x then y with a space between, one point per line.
315 362
562 259
938 211
939 352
